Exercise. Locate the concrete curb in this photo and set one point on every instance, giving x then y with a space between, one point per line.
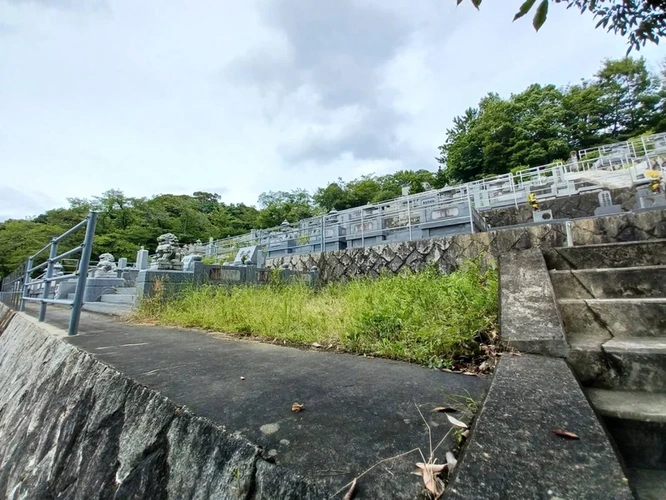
514 452
529 317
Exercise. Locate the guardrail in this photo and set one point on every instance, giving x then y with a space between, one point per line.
16 287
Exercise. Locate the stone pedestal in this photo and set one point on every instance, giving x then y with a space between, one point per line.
142 259
65 288
96 287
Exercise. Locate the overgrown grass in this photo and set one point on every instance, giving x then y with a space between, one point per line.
426 317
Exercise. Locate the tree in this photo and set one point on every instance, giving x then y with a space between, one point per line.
280 206
630 95
640 21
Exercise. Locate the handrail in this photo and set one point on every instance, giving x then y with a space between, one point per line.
15 291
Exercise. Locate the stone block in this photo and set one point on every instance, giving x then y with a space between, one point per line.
529 318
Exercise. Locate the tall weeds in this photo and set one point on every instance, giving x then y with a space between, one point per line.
424 317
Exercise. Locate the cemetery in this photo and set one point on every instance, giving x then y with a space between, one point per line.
530 306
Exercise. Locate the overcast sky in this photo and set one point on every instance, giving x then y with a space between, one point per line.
241 97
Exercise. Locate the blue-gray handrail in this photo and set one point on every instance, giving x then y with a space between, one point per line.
19 282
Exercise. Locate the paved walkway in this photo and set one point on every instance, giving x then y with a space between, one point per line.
357 410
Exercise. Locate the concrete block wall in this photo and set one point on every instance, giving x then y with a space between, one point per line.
450 252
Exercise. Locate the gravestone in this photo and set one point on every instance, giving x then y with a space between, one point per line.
606 206
188 262
122 263
142 259
251 255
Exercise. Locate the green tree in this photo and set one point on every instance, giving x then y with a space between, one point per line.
280 206
640 21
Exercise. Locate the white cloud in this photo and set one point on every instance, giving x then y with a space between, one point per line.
243 97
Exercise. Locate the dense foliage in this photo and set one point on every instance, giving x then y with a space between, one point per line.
545 123
541 124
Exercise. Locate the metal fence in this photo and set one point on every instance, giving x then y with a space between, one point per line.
20 287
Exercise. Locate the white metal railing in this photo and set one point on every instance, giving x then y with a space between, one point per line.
614 165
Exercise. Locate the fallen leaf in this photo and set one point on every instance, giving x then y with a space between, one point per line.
350 492
445 409
329 346
566 434
471 374
317 345
296 407
451 461
516 354
457 422
430 472
465 433
447 370
242 378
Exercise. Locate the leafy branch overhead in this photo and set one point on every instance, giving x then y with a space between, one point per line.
640 21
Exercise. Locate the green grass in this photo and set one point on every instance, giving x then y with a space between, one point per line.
425 317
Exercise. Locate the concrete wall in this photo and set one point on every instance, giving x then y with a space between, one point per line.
72 427
448 253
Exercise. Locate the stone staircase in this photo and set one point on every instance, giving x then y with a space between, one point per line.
612 300
117 301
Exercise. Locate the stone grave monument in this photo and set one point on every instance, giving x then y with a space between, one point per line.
606 206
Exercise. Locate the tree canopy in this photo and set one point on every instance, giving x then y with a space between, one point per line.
545 123
640 21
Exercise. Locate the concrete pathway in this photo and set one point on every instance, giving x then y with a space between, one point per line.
357 410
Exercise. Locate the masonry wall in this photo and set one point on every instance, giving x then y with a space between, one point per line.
72 427
569 207
449 253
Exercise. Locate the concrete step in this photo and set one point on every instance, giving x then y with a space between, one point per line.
128 290
629 405
106 308
628 364
118 299
609 283
649 484
633 254
611 318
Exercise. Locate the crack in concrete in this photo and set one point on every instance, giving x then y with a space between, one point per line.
575 277
599 321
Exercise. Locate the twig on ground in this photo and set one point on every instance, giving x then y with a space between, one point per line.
369 469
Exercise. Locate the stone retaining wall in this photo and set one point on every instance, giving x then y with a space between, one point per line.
449 253
569 207
72 427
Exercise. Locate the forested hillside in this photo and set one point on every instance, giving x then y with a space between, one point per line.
534 127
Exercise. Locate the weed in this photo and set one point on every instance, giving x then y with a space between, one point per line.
427 317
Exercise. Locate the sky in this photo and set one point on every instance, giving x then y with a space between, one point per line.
239 98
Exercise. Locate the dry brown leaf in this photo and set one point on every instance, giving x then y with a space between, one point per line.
566 434
350 492
429 472
471 374
444 409
516 354
465 433
457 422
296 407
316 345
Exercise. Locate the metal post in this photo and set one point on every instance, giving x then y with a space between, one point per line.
49 273
362 230
570 239
471 214
323 233
83 274
409 220
26 281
